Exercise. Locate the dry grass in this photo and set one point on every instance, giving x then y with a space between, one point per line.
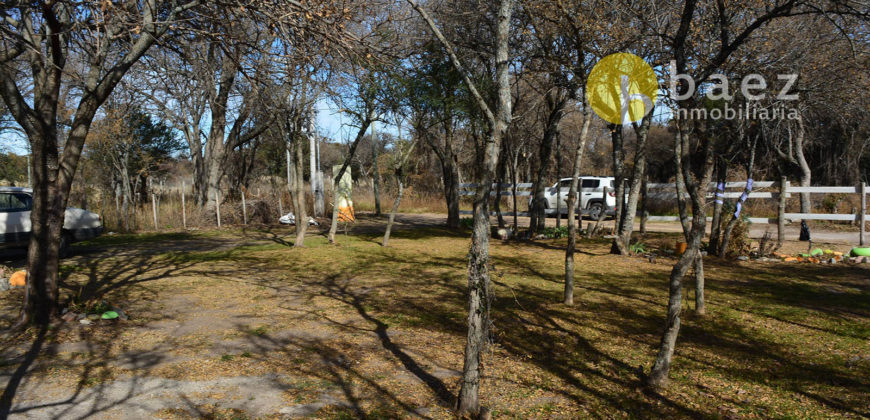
382 329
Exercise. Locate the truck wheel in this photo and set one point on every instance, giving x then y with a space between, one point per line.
595 210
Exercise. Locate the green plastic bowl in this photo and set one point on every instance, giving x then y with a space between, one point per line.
860 252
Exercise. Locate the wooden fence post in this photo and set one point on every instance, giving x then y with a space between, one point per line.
244 209
862 223
217 207
154 209
183 208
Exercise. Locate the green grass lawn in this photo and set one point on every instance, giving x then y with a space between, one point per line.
779 340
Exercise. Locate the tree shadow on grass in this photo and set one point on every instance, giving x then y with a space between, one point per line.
394 288
116 275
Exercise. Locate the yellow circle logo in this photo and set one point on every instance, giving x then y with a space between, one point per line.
622 88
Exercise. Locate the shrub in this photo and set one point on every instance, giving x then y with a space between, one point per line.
555 232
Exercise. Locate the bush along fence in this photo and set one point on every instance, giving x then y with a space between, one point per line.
666 193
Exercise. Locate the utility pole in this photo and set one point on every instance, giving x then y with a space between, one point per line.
375 175
316 178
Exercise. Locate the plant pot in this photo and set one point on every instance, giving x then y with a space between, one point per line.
680 247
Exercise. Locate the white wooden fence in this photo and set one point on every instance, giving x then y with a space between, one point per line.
668 192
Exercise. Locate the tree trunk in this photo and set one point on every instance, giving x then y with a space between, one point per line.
499 182
697 191
622 241
515 188
719 200
619 175
117 204
299 193
479 297
700 308
780 219
450 172
376 176
558 177
658 377
539 204
806 174
213 171
395 209
726 236
333 227
315 177
644 213
46 218
572 211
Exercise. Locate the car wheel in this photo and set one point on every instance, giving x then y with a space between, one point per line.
595 210
65 243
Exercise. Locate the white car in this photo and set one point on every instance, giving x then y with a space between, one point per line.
591 189
15 206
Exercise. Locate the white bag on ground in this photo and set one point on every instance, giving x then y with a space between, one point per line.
290 219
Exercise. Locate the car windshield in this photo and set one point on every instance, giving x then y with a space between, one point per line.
10 202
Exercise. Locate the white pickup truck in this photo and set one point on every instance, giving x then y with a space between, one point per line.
591 189
15 206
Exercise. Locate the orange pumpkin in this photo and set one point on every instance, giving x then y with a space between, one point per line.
18 279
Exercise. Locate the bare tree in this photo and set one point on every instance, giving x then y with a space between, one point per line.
694 153
106 43
498 118
401 153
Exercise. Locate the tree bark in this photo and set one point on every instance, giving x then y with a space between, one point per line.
726 236
398 171
499 186
514 187
376 176
299 191
479 296
719 200
696 189
52 169
572 211
556 103
400 187
780 219
806 173
644 213
315 179
616 137
333 227
558 177
622 241
449 173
